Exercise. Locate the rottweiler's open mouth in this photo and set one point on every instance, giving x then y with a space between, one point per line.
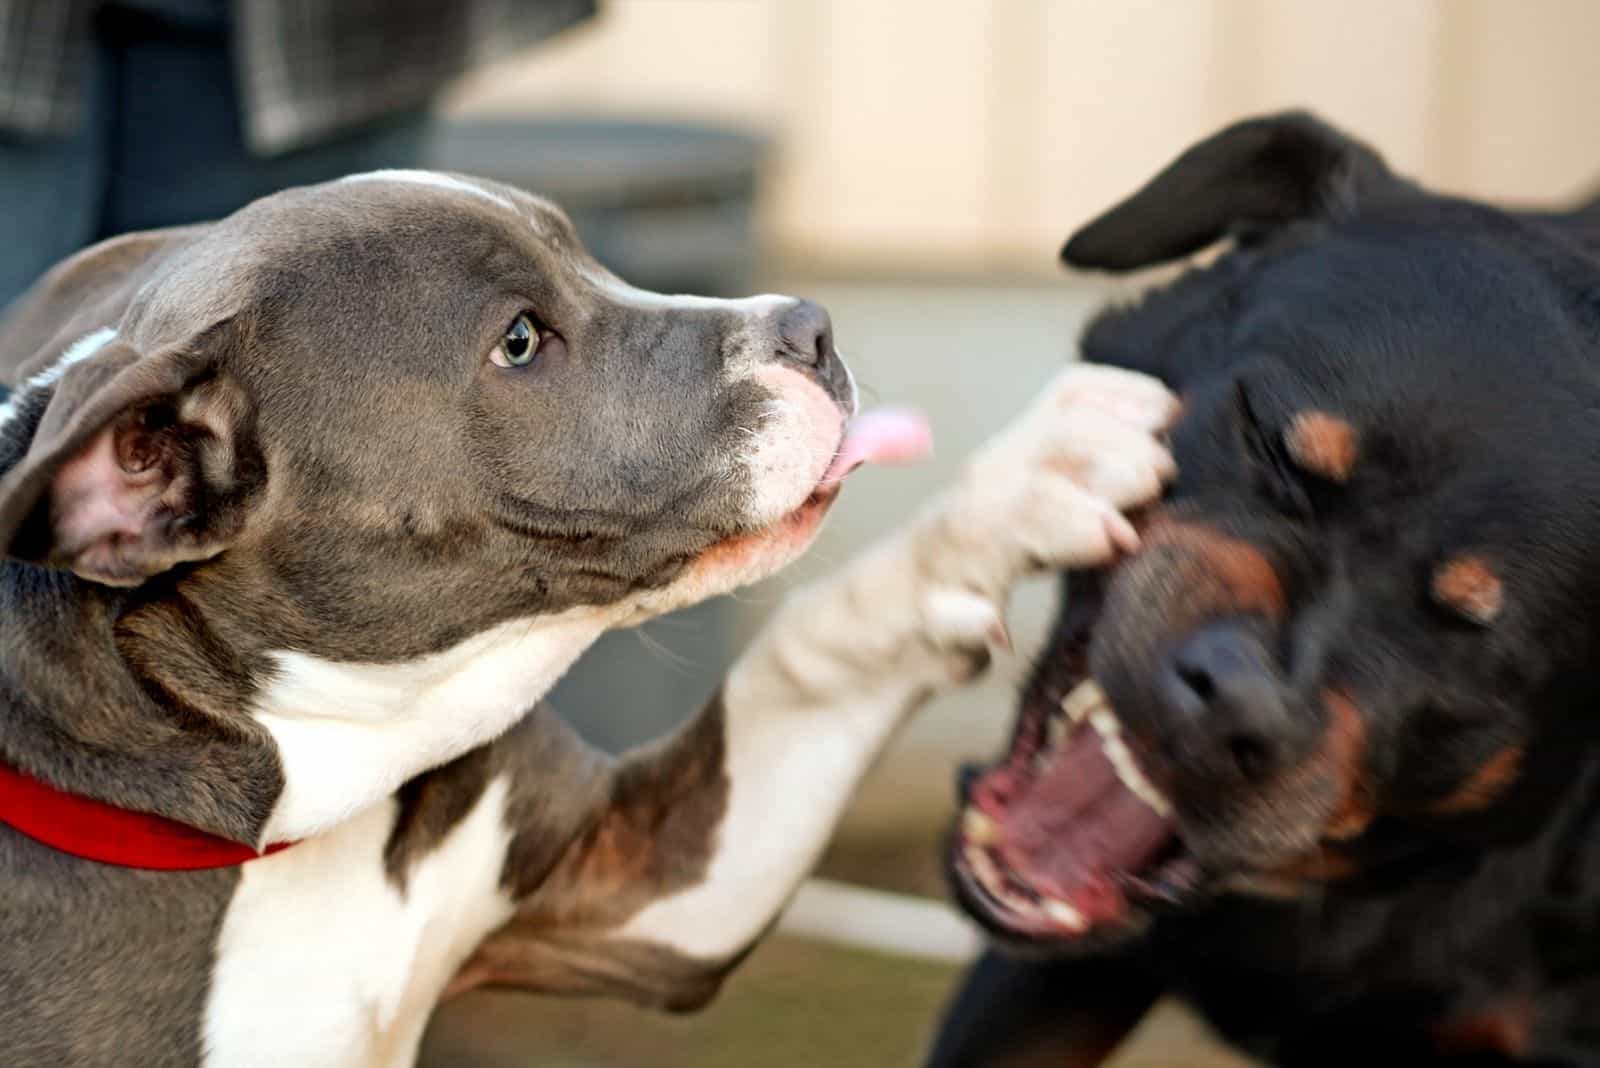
1067 836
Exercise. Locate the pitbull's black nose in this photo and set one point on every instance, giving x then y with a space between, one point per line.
806 336
1226 709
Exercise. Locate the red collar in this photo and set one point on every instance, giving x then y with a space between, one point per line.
105 833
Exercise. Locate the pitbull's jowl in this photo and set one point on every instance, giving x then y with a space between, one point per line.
304 512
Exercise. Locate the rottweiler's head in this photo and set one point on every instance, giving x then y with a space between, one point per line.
1359 642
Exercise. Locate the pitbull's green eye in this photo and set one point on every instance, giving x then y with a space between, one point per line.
519 346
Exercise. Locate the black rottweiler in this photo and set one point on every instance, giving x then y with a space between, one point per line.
1322 758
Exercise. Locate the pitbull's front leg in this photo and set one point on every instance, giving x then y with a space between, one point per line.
701 840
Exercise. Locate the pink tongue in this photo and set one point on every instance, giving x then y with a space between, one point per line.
881 436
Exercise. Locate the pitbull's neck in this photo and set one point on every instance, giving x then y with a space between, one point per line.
162 709
350 734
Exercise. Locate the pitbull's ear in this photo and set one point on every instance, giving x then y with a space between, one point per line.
120 464
1257 174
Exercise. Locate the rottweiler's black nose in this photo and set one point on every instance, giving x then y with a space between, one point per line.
806 334
1226 712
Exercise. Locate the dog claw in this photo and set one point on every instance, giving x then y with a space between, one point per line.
999 636
965 619
1121 532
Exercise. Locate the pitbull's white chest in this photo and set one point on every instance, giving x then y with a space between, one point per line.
324 961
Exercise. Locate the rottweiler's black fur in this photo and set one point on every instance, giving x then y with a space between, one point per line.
1449 911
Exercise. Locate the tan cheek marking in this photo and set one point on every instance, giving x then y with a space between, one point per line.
1484 785
1346 750
1505 1027
1323 445
1341 762
1236 574
1321 865
1467 584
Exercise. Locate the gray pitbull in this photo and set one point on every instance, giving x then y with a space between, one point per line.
304 511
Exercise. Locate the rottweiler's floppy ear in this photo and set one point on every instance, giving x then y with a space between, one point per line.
120 464
1257 174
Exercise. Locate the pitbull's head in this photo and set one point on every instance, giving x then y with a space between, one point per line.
1359 641
415 399
402 421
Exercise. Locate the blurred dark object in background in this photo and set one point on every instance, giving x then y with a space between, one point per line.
667 205
127 115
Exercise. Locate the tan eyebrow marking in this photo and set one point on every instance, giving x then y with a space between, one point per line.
1468 585
1323 444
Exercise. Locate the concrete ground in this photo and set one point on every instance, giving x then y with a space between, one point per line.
792 1005
970 357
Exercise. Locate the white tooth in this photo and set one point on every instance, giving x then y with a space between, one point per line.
1065 915
1020 905
995 884
1088 700
977 827
1101 719
1055 731
1122 762
984 869
1086 696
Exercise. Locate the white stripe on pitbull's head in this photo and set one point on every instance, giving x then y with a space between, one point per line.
319 936
433 180
76 352
614 288
349 734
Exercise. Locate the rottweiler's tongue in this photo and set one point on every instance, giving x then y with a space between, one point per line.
881 436
1078 832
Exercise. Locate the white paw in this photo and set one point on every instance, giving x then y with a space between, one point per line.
1049 490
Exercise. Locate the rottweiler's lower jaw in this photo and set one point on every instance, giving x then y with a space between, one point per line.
1066 839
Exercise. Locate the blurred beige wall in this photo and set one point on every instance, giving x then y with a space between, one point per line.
970 135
